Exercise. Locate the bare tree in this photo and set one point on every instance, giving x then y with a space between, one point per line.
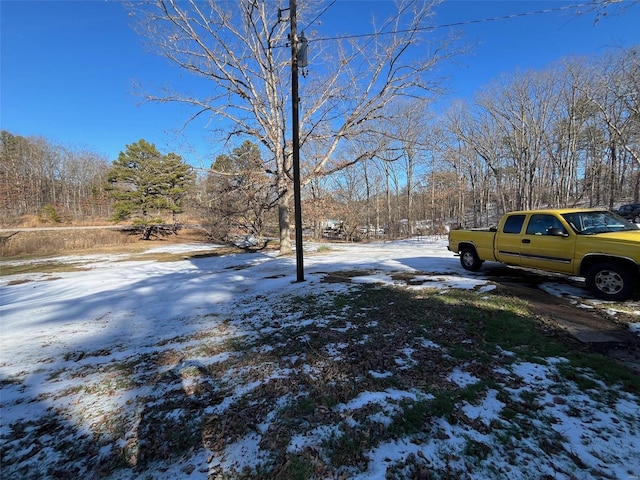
410 142
478 140
523 109
606 8
613 95
556 137
350 192
238 195
237 50
452 153
319 205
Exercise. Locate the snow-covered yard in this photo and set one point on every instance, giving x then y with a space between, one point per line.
381 364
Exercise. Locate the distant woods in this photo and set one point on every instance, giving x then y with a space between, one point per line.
566 135
52 182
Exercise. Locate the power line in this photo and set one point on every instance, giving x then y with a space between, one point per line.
321 13
455 24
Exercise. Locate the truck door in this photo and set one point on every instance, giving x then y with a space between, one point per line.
508 240
546 244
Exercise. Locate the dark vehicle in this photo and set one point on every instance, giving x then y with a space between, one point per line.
630 212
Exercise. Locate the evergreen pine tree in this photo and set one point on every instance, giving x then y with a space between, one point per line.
146 184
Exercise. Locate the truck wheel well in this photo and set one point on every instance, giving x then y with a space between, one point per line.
463 245
590 261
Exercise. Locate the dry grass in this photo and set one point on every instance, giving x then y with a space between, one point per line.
79 241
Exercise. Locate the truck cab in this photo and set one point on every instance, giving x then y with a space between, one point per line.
536 240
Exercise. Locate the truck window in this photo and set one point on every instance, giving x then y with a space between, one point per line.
513 224
539 224
594 222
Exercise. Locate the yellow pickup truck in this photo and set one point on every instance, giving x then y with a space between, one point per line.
596 244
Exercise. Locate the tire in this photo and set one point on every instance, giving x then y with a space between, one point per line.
610 281
469 259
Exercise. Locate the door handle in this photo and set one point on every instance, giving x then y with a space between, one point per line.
526 240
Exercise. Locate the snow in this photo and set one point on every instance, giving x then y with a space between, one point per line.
64 332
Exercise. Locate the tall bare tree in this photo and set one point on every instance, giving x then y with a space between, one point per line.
238 194
613 94
410 141
238 50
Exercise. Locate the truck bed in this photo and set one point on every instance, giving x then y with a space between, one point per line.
481 238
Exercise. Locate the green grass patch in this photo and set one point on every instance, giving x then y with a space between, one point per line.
241 343
345 449
472 327
496 321
415 415
477 449
607 370
296 467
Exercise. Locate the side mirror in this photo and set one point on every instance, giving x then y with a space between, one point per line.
557 232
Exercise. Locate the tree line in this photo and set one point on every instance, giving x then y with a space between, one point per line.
55 182
568 135
367 106
563 136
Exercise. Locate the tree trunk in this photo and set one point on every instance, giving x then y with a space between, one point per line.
283 223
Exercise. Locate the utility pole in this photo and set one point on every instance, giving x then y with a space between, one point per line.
296 141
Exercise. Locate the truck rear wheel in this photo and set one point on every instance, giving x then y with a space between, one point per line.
469 259
610 281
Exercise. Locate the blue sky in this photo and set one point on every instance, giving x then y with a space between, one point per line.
68 67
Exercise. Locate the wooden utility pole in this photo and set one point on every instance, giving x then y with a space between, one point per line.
296 141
